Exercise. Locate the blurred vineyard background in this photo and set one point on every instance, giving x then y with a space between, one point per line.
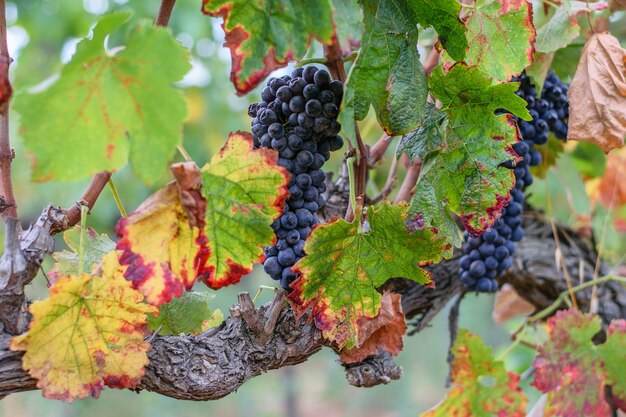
42 36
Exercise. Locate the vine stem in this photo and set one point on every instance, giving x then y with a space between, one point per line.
410 179
6 153
165 12
81 245
350 163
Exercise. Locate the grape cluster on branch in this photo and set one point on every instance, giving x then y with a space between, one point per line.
487 256
298 118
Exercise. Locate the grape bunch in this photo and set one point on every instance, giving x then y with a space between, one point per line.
489 255
298 118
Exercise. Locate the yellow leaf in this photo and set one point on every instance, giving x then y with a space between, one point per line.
89 333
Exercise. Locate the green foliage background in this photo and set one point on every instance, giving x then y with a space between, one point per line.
42 34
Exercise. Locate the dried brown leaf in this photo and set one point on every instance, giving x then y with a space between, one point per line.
187 176
509 304
597 95
385 331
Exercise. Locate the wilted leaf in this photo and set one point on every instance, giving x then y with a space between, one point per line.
163 252
569 368
88 334
597 95
481 385
94 248
509 304
387 73
385 331
264 35
562 28
245 190
501 36
106 109
462 172
345 263
188 314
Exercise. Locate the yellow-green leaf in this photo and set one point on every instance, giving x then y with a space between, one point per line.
245 190
88 334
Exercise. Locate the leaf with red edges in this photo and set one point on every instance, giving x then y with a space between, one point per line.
501 37
571 369
264 35
383 332
163 246
481 385
346 263
462 171
88 334
245 190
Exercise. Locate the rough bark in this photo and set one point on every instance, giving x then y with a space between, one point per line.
253 341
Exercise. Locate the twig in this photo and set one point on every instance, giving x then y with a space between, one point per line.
412 174
377 151
6 153
165 11
89 197
116 197
432 60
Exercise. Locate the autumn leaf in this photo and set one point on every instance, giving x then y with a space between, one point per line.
570 369
89 333
189 314
613 353
597 95
163 252
245 191
264 35
383 332
481 385
95 246
501 37
462 156
346 262
117 98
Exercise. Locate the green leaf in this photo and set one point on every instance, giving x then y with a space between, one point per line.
245 190
443 15
106 108
348 19
266 34
346 263
429 136
562 28
539 69
387 73
95 246
465 176
500 34
569 367
481 385
188 314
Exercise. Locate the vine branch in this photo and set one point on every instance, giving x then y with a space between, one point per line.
8 205
165 12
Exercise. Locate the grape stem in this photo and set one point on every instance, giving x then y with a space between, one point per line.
9 206
116 197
